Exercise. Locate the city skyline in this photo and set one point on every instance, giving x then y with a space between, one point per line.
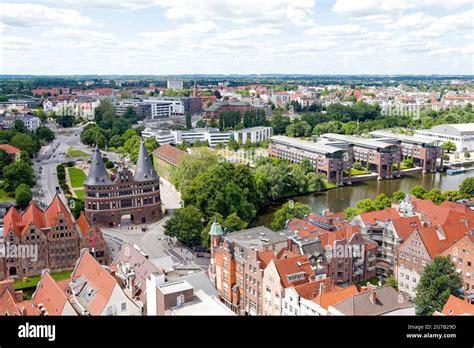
160 37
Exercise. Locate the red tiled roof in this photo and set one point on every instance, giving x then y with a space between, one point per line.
170 151
101 280
83 224
9 149
333 297
293 265
312 289
456 306
265 257
50 295
57 206
431 239
20 222
371 217
405 225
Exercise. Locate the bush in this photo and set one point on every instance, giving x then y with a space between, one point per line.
109 165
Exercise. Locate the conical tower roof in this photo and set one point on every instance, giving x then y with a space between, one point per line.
97 172
145 170
216 229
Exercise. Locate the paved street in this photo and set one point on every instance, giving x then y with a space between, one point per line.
55 153
151 241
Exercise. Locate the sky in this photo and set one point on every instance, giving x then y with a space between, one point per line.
166 37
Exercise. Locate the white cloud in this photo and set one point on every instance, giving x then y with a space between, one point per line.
451 24
32 15
361 8
130 5
417 20
336 30
186 31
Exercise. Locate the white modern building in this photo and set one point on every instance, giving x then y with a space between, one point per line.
174 84
162 137
159 108
461 134
254 134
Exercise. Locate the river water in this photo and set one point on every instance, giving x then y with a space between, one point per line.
338 199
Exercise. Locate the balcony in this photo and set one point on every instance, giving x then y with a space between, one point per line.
357 262
357 271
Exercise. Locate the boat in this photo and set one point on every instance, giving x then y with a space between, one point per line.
454 171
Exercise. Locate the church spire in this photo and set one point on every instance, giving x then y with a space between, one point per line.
97 172
145 170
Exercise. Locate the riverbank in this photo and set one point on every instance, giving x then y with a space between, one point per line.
337 199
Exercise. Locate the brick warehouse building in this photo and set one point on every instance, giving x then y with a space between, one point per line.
54 233
134 196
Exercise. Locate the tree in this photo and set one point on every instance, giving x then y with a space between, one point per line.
392 282
452 195
26 142
418 191
23 196
5 160
116 141
233 145
408 163
435 196
398 196
298 129
224 188
16 174
45 134
366 205
279 123
234 223
201 124
186 225
131 147
129 133
467 187
288 211
350 213
19 126
188 121
77 207
449 146
467 154
191 165
438 281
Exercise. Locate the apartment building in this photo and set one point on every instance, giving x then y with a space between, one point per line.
420 249
213 111
381 156
238 260
327 159
462 256
254 135
388 229
281 274
339 248
423 150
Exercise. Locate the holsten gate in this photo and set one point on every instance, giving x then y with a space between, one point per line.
134 196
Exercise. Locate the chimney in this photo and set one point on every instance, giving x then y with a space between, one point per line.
373 296
24 312
321 288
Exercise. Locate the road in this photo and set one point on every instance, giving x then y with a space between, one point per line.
152 241
55 153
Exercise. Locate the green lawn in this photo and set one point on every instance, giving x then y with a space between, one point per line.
33 280
79 193
6 197
76 153
77 176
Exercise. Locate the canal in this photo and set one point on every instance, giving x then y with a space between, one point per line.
338 199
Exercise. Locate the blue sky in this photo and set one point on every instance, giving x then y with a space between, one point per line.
237 37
